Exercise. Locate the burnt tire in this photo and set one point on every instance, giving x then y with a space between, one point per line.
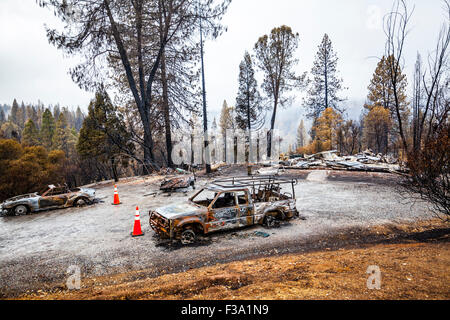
188 236
21 210
80 202
271 222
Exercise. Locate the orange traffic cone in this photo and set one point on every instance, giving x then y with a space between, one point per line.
137 225
116 196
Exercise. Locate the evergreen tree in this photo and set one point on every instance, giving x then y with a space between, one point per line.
32 114
377 124
30 134
39 113
28 112
6 108
13 114
21 116
79 117
2 116
301 135
275 57
325 85
381 94
10 130
63 138
74 132
69 117
326 129
103 134
47 129
248 100
56 111
226 122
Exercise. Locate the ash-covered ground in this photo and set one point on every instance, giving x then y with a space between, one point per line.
37 249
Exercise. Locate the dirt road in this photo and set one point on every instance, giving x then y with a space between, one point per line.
37 249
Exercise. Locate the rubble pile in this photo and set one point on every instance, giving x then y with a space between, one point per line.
270 171
175 181
365 161
165 171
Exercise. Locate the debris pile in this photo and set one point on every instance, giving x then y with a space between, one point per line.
274 170
178 182
165 171
365 161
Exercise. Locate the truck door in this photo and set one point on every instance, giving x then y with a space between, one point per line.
245 214
223 212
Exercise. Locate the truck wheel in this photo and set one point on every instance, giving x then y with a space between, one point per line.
21 209
271 222
188 236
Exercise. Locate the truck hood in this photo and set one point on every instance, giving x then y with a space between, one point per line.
178 210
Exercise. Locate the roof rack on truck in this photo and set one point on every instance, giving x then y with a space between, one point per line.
256 183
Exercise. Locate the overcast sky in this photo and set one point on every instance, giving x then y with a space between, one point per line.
32 69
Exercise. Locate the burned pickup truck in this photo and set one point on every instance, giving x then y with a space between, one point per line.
227 204
51 198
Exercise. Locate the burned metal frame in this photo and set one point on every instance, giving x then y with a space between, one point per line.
254 182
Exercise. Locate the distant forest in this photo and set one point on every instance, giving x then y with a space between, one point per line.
18 114
41 145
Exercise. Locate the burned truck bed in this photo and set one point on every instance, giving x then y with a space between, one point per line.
227 204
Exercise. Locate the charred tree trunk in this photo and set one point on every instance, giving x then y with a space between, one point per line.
114 170
142 100
205 114
272 126
166 110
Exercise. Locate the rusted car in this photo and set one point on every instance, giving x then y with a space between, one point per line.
226 204
52 198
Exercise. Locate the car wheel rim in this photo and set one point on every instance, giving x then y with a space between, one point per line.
81 202
187 237
21 210
270 221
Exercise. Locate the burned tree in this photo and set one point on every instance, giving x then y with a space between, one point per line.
428 160
429 178
396 30
103 136
248 101
275 57
138 31
431 84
